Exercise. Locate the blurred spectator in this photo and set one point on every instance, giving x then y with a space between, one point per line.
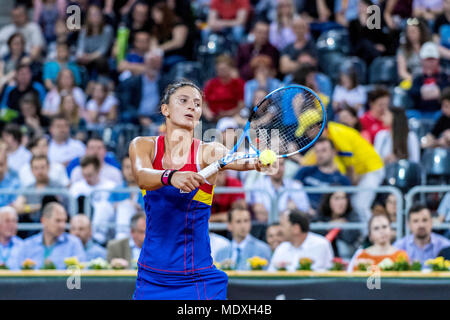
441 33
289 61
427 9
170 35
358 159
260 46
307 75
133 64
336 208
10 243
87 188
422 244
30 118
275 185
65 85
29 206
8 179
445 253
274 235
96 147
324 173
427 86
243 245
39 148
229 17
46 13
23 85
129 248
264 78
443 212
53 244
63 148
224 94
218 243
349 92
300 243
379 231
408 59
397 142
222 203
94 42
440 134
348 116
139 95
345 11
63 35
15 56
372 120
34 40
139 19
52 68
387 205
73 112
80 226
102 108
366 43
126 204
281 32
18 155
396 12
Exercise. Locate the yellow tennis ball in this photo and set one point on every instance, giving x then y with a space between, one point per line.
267 157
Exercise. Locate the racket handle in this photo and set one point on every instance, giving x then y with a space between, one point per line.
210 170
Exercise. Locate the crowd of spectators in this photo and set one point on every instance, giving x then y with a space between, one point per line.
64 90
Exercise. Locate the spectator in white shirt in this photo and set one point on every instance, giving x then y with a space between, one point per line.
63 148
301 243
90 169
397 142
275 186
102 108
349 92
65 85
96 147
34 39
18 155
57 172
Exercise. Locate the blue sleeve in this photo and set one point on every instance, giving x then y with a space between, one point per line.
301 174
41 90
72 165
49 71
344 180
78 250
110 158
5 96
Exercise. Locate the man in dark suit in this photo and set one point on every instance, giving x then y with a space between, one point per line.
139 95
128 249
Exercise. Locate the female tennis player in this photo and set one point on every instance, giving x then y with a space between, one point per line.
175 260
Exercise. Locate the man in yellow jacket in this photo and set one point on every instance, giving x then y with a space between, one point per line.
356 158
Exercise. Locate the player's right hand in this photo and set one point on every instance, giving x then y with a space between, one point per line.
186 181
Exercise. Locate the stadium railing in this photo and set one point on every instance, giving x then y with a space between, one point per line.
421 190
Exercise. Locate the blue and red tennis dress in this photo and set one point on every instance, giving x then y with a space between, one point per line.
175 260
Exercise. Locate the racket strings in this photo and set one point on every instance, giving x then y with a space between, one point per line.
286 121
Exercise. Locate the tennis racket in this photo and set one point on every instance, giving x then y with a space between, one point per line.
289 120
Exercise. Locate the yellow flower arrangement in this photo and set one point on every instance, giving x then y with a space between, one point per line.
73 262
438 264
257 263
305 264
28 264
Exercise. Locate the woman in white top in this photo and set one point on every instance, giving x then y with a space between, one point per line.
102 108
280 32
349 92
65 84
397 142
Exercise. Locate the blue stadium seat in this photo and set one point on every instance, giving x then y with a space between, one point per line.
209 50
330 63
335 40
403 174
383 70
356 64
401 99
436 162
